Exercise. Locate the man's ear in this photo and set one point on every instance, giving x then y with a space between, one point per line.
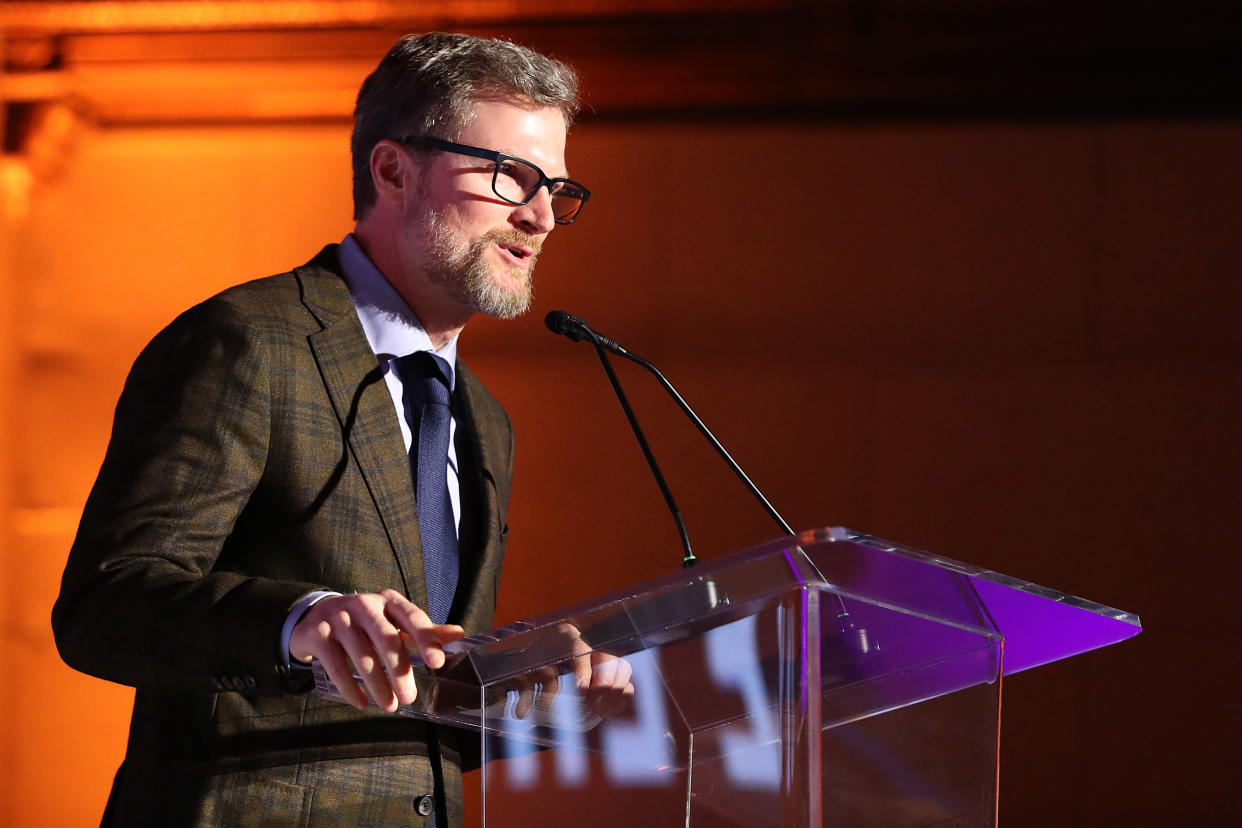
392 171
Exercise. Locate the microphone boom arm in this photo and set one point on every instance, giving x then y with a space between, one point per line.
576 329
703 429
689 559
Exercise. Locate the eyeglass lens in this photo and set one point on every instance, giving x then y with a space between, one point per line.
517 181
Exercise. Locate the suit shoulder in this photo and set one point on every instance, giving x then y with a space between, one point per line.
270 301
294 302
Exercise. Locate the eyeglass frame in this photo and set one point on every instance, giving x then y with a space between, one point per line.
496 158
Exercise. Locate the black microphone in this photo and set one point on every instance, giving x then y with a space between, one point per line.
576 328
566 324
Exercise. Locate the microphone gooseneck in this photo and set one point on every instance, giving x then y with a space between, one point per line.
857 640
576 329
563 323
688 559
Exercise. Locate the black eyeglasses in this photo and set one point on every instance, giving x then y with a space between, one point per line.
516 180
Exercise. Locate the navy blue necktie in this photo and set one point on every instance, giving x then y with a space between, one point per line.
424 378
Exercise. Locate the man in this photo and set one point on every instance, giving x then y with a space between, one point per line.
257 509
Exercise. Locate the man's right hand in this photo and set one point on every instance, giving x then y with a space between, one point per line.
372 633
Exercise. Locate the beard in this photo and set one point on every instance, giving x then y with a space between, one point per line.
462 268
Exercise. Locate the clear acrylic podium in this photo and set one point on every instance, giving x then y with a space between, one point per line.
831 678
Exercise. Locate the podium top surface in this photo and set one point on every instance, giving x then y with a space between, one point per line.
1038 625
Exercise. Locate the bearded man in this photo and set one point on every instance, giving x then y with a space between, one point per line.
300 468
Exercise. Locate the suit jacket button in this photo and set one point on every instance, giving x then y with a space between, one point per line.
424 805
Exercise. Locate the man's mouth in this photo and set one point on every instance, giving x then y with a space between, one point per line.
519 254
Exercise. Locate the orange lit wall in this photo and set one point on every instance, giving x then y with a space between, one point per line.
1010 343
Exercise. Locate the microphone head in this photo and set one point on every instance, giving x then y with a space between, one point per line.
566 324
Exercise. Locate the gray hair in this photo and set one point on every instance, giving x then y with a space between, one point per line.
427 85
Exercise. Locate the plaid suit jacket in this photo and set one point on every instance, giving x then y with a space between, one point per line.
255 456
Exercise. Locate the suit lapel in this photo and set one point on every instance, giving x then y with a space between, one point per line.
355 383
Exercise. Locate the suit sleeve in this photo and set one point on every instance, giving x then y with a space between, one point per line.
142 601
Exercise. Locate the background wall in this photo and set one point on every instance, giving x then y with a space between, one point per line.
1007 340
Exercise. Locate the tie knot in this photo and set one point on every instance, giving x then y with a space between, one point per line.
428 374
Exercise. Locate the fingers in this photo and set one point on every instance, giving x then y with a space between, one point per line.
526 697
611 703
373 633
337 666
603 679
345 630
536 688
609 671
361 638
551 687
428 639
610 690
580 655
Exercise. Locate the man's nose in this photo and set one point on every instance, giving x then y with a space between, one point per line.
535 216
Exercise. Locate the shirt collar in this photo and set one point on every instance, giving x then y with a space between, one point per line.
391 326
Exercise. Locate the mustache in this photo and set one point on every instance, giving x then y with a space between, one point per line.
535 243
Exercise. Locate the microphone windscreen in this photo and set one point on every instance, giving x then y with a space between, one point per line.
566 324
